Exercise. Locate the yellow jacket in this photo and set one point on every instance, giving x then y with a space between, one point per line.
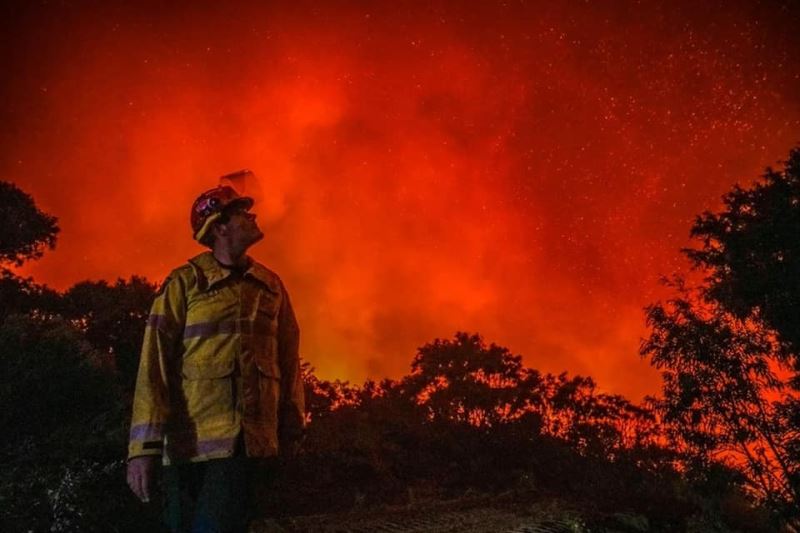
220 357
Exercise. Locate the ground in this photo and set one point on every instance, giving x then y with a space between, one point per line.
477 515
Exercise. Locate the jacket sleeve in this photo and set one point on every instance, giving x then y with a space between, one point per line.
162 338
291 423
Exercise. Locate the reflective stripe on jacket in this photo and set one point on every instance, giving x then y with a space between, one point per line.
220 357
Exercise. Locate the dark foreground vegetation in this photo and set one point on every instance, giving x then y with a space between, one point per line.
718 450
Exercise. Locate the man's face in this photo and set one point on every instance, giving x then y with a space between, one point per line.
243 231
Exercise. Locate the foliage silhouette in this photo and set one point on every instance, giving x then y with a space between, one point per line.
751 250
22 296
402 440
465 382
60 403
26 230
75 376
113 319
727 348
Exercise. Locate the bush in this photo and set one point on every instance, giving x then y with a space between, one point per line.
65 434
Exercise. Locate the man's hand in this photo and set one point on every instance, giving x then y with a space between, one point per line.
141 471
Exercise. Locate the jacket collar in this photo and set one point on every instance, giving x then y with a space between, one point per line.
209 272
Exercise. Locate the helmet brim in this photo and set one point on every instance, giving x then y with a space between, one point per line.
242 201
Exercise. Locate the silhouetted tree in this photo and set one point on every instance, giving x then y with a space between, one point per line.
598 424
726 347
60 407
22 296
322 396
26 231
113 318
719 379
751 250
464 381
51 377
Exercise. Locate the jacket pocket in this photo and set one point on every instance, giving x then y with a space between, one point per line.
208 390
269 393
266 358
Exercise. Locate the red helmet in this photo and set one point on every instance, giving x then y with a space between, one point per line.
209 207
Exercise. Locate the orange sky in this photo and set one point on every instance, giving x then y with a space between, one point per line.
521 170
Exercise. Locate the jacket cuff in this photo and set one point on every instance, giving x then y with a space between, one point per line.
139 448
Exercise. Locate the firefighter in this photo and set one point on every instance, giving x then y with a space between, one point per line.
219 392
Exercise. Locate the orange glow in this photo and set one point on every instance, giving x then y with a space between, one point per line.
524 172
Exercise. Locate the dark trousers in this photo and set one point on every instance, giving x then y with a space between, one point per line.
207 497
219 495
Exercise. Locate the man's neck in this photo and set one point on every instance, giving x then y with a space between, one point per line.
225 257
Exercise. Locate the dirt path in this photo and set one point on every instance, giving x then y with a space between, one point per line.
471 521
432 519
